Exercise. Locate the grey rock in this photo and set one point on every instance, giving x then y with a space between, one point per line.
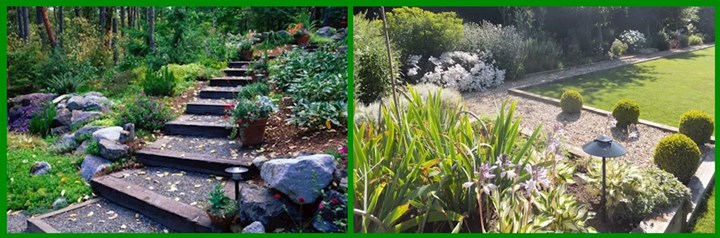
112 150
301 177
128 133
59 130
259 204
86 132
65 144
259 161
91 165
61 98
110 133
255 227
40 168
80 118
62 118
89 102
325 217
81 149
59 203
325 31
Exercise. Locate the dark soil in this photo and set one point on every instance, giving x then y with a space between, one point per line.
282 139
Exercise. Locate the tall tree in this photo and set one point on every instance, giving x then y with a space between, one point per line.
114 40
48 27
38 16
77 11
59 18
122 19
151 28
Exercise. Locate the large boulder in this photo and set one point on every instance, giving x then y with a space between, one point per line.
255 227
92 165
62 118
92 101
40 168
22 108
80 118
331 208
268 207
300 178
81 149
325 31
110 133
113 150
86 132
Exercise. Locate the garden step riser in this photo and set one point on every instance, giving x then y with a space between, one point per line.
217 94
189 161
175 215
236 72
205 109
238 64
197 130
229 83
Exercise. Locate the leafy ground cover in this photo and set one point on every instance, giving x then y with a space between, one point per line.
664 88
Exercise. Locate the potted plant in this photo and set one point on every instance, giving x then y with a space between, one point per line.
301 30
251 116
221 209
259 68
245 47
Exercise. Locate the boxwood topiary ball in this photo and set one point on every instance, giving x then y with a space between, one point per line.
626 112
678 155
697 125
571 101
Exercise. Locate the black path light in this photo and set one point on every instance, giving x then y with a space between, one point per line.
237 173
603 146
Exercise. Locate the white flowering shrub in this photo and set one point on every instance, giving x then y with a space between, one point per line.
464 71
634 39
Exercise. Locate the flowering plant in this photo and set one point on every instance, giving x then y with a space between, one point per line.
246 111
634 39
464 71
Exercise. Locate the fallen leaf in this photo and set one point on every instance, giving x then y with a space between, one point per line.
113 216
123 226
90 214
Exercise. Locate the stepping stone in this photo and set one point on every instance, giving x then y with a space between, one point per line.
219 92
244 71
208 106
165 210
238 64
230 81
95 216
206 155
199 125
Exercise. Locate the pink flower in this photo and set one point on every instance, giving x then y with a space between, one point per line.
301 199
321 206
343 150
335 201
277 196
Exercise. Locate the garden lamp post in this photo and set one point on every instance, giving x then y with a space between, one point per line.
236 173
603 146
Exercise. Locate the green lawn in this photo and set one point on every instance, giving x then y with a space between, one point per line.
706 221
664 88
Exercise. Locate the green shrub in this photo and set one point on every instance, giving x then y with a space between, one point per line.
542 54
192 72
36 194
684 40
419 32
41 122
146 113
505 43
93 148
254 89
633 193
679 155
161 83
697 125
626 112
662 41
65 83
618 48
695 40
371 69
571 101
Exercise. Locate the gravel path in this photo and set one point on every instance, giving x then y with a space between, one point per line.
17 222
218 147
187 187
579 129
104 217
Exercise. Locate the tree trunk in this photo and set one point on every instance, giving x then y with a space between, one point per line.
48 27
122 20
59 18
109 13
151 28
101 19
114 40
26 22
38 16
77 11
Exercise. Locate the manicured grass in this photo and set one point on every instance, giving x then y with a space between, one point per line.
37 193
664 88
706 221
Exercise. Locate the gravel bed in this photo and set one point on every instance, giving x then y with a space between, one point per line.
205 119
104 217
219 147
187 187
579 129
17 222
214 101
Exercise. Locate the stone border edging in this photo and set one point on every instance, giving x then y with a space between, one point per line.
553 101
37 225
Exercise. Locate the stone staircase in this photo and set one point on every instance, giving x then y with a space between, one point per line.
182 168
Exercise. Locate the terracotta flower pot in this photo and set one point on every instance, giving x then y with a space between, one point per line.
220 222
246 54
302 39
253 134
